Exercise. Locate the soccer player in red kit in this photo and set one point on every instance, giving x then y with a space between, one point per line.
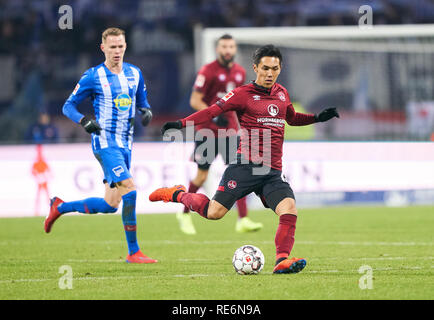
214 80
262 108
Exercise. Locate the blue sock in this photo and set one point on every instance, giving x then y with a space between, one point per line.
129 220
89 205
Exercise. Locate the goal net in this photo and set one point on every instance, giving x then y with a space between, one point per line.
380 79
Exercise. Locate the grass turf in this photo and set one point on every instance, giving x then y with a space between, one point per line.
397 243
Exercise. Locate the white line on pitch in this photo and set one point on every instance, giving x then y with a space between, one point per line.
203 275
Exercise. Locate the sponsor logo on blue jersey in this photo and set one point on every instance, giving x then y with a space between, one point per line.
123 102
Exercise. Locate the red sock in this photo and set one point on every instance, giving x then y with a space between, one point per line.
192 188
284 239
242 207
197 202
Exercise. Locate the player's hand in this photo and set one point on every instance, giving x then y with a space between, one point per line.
171 125
90 125
221 121
326 115
146 116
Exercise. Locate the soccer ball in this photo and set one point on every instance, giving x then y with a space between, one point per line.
248 259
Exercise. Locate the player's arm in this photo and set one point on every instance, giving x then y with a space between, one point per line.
201 85
294 118
196 100
142 103
205 115
197 103
83 90
198 117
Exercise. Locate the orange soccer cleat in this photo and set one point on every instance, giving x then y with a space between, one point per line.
166 194
139 257
53 215
293 265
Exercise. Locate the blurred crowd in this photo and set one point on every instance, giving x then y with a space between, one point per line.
40 54
30 25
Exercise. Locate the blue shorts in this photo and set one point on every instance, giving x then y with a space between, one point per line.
115 163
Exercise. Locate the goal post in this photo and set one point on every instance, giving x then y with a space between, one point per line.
380 78
205 38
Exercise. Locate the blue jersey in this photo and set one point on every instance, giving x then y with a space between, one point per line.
115 98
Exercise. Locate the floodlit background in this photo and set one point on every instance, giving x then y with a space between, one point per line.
380 77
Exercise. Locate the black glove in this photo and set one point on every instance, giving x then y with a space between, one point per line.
326 115
171 125
90 125
221 121
146 116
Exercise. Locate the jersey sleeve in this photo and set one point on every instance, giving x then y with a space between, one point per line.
202 116
83 90
142 94
232 101
203 80
294 118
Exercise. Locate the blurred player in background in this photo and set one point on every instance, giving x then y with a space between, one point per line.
117 89
42 174
213 82
262 107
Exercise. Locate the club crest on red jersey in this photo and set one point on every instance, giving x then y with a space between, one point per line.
273 110
232 184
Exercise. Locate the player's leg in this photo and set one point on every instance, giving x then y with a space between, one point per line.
37 200
112 195
92 205
202 158
198 181
284 239
184 218
228 192
128 193
279 196
197 202
126 188
109 203
88 206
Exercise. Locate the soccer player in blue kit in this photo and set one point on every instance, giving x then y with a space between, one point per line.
117 89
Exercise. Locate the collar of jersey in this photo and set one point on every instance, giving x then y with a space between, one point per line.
261 88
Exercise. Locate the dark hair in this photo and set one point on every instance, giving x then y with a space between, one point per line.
226 36
267 51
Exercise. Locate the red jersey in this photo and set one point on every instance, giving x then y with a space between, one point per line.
215 81
262 114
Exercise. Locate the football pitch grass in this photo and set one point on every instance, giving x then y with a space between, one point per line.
395 243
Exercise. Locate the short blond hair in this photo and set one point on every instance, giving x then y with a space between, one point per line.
112 32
